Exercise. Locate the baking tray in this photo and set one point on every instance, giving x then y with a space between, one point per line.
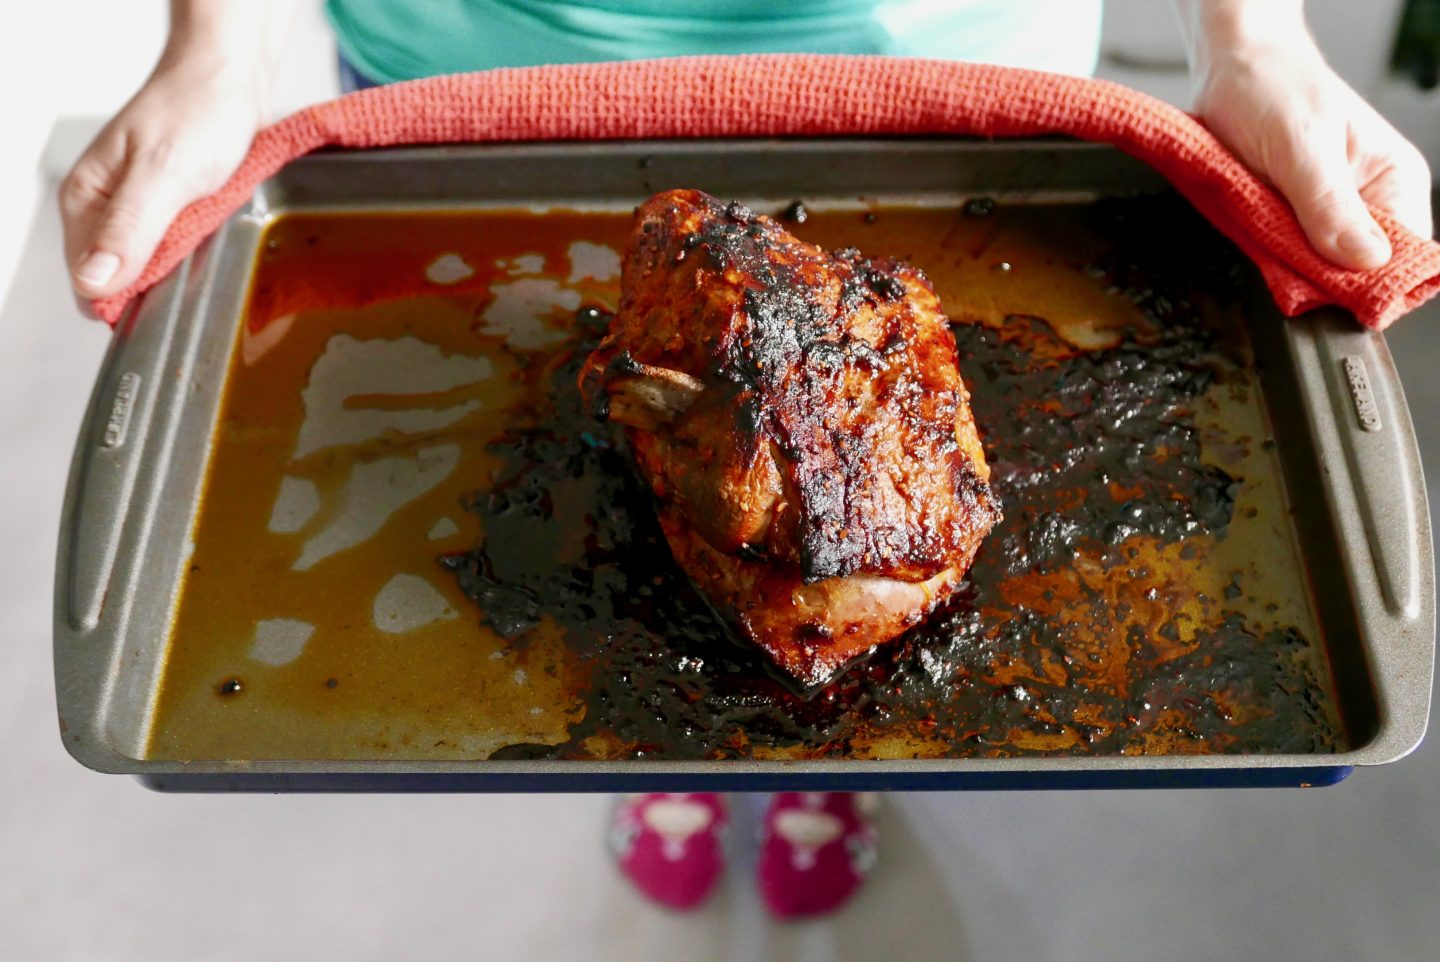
1351 468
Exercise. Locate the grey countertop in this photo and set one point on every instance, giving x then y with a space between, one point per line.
95 867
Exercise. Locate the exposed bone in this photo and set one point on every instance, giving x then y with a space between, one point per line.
647 396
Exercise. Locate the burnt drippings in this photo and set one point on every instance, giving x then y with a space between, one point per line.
1068 635
557 519
795 213
979 207
571 538
1065 436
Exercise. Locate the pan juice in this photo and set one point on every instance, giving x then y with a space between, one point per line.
415 543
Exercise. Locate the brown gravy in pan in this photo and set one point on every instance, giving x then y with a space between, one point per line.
414 543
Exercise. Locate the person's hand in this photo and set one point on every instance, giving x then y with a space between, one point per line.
1282 110
177 140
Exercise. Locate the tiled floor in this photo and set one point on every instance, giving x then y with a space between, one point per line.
95 867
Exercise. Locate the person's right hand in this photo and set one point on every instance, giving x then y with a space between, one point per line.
177 140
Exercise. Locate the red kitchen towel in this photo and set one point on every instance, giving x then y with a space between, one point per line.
806 96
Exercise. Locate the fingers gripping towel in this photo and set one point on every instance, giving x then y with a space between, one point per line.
807 96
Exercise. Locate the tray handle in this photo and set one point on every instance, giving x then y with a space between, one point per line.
118 425
1376 435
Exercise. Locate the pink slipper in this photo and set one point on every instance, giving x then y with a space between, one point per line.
816 850
671 846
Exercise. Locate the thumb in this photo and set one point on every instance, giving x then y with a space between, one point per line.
127 229
1321 188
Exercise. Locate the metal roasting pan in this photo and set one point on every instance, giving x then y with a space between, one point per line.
1350 461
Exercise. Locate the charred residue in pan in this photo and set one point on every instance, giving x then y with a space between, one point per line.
1144 594
1082 627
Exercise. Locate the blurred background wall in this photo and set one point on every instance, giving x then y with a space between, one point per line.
77 61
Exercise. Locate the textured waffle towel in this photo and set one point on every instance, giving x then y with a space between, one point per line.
804 96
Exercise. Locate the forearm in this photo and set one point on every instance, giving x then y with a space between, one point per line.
1215 30
240 38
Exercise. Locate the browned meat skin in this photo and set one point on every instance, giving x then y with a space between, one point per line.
800 416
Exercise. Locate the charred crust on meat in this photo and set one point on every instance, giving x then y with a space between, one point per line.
622 364
895 345
865 355
789 357
739 213
813 631
888 286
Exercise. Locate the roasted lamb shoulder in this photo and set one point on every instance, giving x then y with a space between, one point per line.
800 417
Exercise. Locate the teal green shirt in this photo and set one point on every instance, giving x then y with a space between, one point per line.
390 40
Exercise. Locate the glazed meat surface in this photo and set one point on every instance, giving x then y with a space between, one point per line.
800 417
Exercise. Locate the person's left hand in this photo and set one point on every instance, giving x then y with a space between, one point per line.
1288 116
